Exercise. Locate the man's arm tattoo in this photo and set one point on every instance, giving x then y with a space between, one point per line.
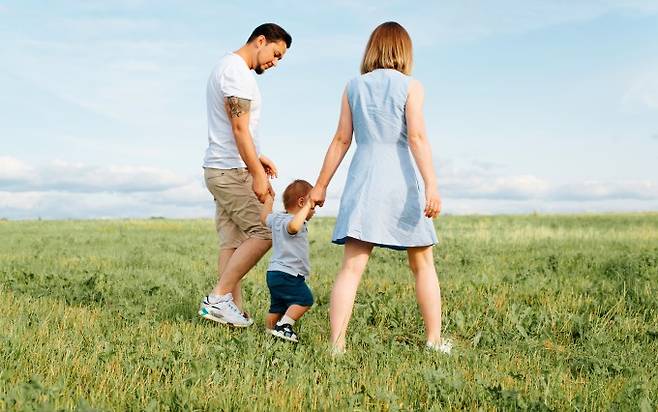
238 106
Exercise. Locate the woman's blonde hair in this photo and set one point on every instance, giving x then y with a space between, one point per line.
389 47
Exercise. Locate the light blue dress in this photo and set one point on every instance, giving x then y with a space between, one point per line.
383 199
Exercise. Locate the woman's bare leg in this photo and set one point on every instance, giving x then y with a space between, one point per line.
428 292
355 258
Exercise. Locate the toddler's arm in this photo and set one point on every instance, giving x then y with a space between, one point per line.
295 225
267 208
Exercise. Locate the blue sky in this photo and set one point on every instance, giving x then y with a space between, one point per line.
548 106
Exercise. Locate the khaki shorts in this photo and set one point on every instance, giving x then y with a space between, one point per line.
237 215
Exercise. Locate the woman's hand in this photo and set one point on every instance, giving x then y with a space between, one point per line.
432 202
269 166
318 195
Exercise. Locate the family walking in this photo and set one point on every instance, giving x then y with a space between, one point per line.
389 198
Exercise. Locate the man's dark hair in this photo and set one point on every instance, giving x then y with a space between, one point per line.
272 32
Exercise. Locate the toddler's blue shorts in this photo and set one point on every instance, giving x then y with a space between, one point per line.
287 290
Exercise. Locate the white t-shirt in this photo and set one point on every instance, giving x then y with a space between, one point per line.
230 77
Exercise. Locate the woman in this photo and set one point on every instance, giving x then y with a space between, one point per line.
383 203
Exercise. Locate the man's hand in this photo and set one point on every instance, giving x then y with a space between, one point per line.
261 187
269 166
432 202
317 195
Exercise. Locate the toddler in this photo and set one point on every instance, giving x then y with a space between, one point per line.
289 265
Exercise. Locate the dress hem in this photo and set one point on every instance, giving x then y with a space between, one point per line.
341 241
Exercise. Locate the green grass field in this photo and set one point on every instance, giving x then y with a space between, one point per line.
547 312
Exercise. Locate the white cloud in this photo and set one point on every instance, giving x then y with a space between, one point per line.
58 175
189 194
484 180
12 169
604 190
62 190
67 205
477 181
505 187
24 201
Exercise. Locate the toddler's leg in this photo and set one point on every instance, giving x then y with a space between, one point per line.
343 293
271 319
296 311
428 292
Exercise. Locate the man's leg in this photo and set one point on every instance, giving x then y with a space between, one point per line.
243 238
240 262
237 296
221 306
222 260
224 256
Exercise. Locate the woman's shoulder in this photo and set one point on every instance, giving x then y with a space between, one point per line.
353 84
354 80
415 86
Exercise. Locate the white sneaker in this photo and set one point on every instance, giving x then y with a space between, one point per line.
225 311
444 347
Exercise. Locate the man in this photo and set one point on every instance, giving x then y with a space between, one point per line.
236 173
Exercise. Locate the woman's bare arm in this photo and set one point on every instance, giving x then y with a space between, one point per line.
420 147
336 152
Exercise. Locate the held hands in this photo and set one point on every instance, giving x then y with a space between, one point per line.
269 166
309 204
318 195
432 202
261 185
262 188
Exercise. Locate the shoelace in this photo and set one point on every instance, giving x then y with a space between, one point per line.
234 307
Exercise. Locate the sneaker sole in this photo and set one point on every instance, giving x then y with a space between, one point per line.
282 336
203 312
